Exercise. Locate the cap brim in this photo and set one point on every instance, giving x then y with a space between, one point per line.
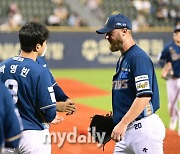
176 30
104 30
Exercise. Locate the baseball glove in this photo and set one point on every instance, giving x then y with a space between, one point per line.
101 125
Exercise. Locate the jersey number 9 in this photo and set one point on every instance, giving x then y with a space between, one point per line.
12 85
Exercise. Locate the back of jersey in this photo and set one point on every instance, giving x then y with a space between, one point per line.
31 89
10 122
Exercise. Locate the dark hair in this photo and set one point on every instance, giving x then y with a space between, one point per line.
31 34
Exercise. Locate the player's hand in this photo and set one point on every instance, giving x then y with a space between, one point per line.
57 119
71 108
67 106
118 131
167 71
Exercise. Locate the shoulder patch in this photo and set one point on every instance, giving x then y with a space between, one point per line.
141 77
142 85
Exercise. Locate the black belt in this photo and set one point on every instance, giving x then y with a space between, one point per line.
175 77
137 119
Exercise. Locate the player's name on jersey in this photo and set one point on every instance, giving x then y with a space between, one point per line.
13 68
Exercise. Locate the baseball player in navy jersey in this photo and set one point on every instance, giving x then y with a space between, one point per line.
170 56
10 121
64 103
30 85
135 96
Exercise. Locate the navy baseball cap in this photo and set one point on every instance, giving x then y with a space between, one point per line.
116 21
177 28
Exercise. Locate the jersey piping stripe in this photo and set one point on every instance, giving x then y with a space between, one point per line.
54 84
13 138
45 107
144 92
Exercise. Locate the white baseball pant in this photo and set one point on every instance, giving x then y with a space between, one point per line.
35 142
173 91
143 136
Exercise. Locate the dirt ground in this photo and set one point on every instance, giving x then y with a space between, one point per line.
79 123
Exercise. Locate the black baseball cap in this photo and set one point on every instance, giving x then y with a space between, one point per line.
177 28
116 21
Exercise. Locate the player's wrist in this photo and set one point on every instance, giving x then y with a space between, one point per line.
60 106
125 121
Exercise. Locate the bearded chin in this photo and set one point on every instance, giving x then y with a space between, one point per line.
113 48
116 46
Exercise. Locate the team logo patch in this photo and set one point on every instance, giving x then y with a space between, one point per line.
123 75
140 78
142 85
175 56
120 84
121 24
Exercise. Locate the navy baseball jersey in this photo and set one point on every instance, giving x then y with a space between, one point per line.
171 53
134 77
10 121
59 93
31 89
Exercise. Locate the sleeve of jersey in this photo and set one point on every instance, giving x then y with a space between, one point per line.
165 56
13 123
59 93
46 97
53 81
142 69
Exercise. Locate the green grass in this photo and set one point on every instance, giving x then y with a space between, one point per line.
99 77
102 78
163 111
103 103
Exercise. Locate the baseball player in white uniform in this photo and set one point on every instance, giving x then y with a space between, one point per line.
31 87
170 56
135 95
